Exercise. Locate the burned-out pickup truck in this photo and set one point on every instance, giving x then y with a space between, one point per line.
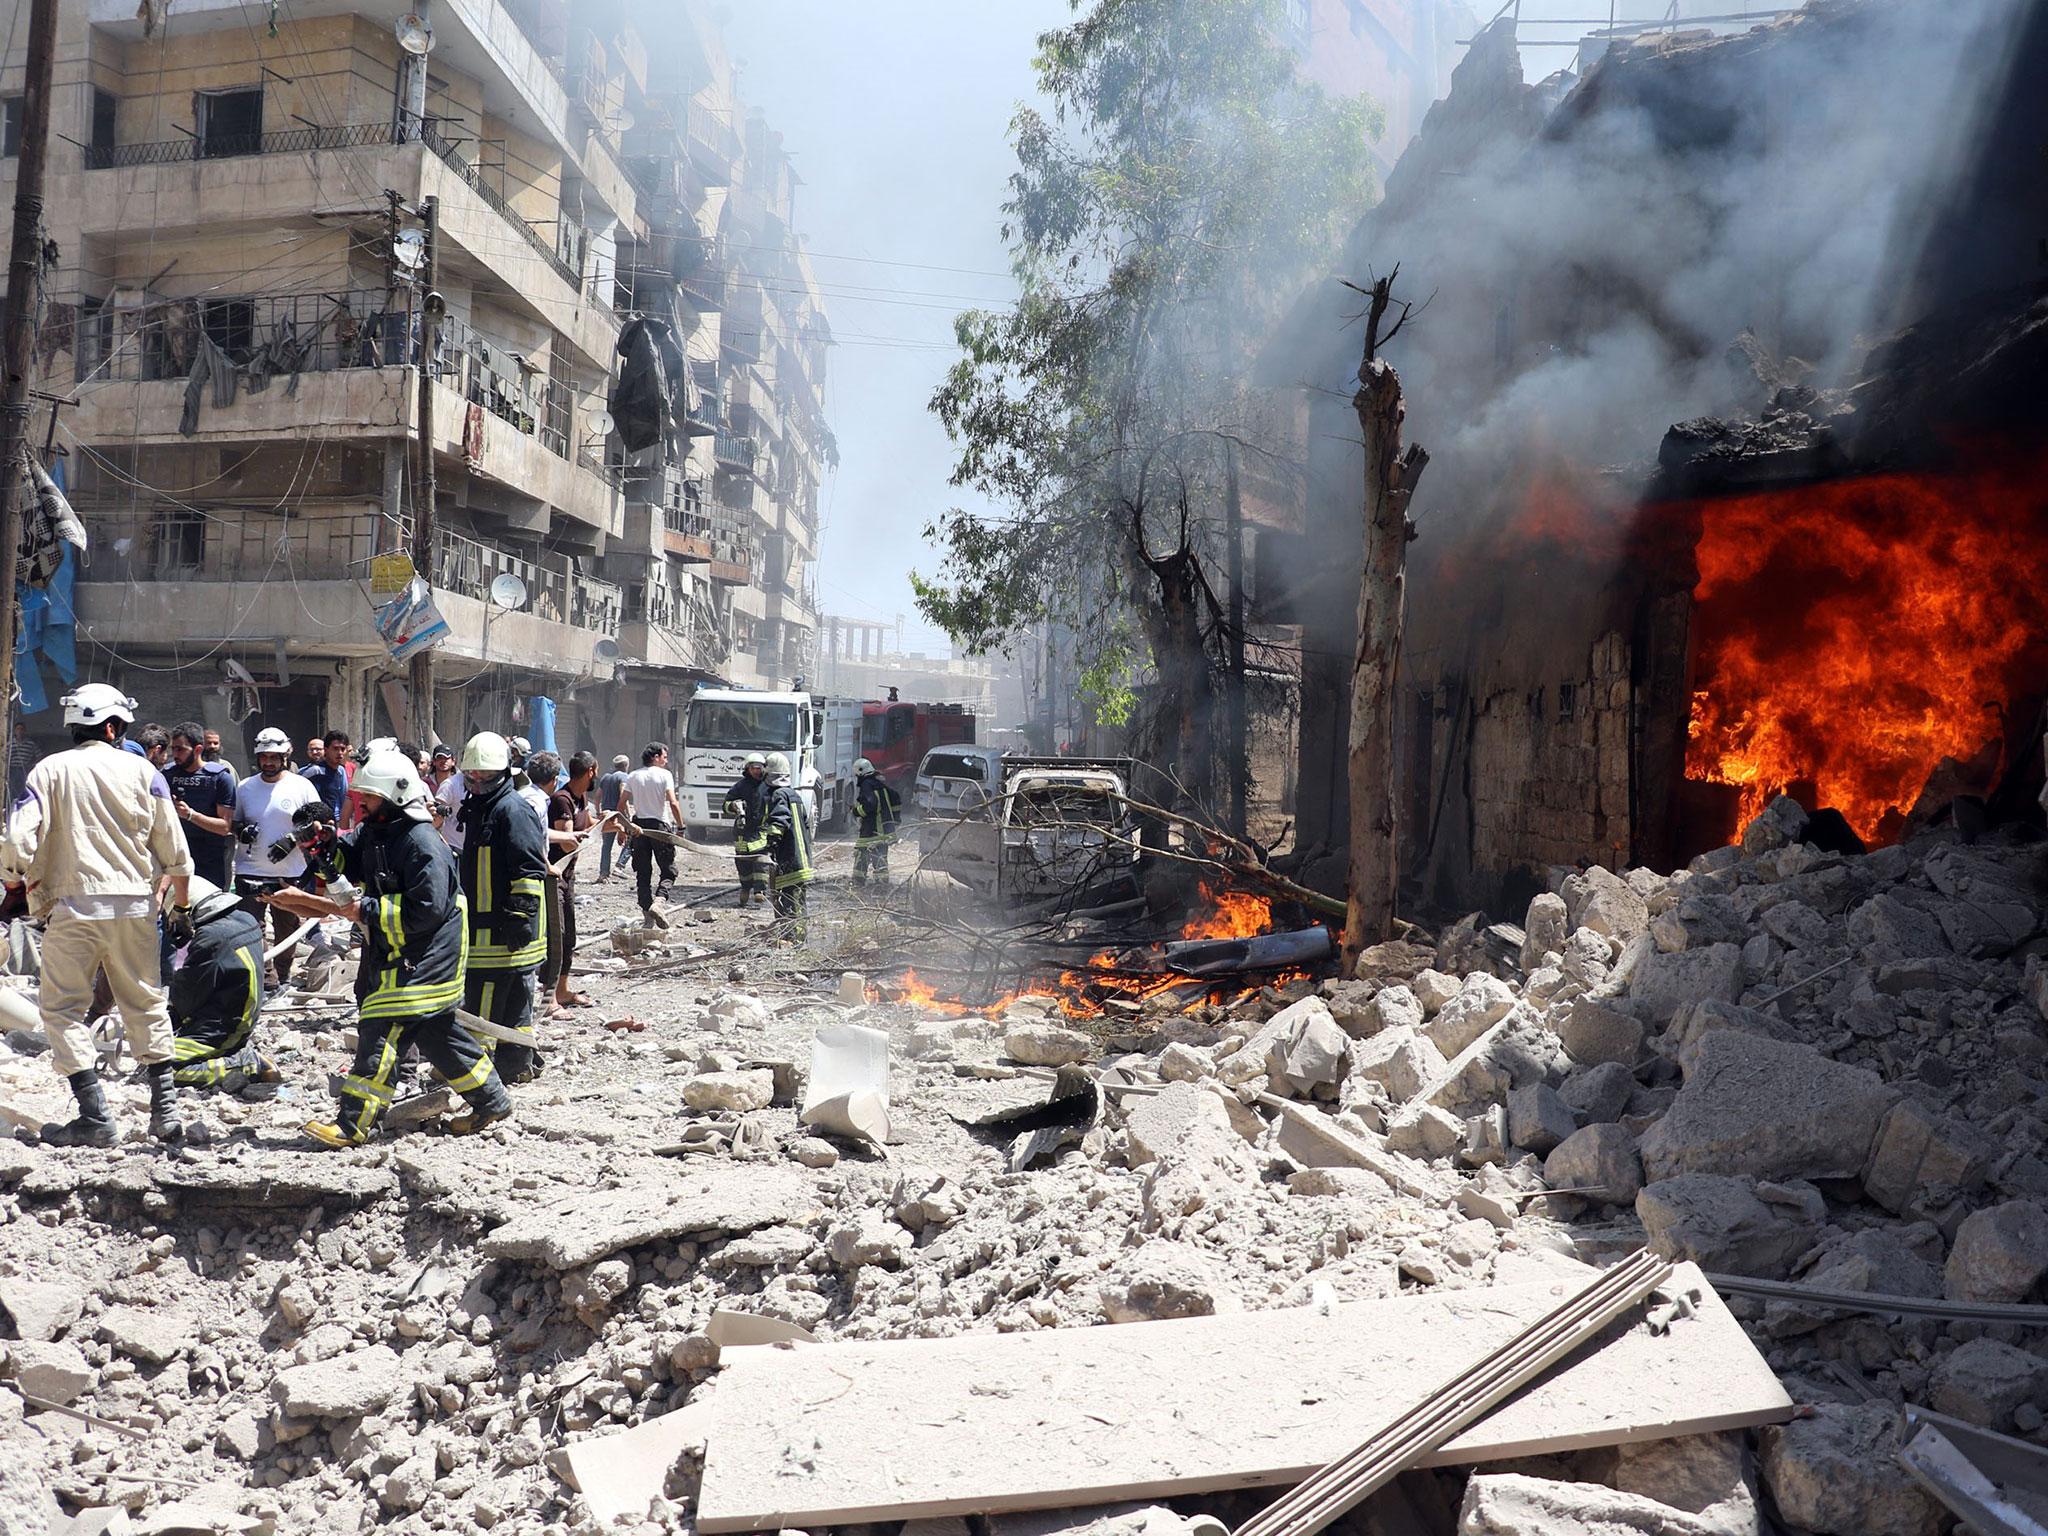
1052 826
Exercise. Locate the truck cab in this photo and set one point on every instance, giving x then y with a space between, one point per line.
724 725
1057 826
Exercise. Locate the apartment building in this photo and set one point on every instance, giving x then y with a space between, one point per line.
232 318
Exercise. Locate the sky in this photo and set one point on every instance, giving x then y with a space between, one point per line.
896 115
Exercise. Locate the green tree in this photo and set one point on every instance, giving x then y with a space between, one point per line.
1176 184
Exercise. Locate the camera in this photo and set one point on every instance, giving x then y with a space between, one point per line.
245 833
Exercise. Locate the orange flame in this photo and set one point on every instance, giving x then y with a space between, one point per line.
1229 915
1853 633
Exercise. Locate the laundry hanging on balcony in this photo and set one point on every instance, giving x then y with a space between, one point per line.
646 403
53 543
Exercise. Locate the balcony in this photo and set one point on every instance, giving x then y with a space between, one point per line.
555 592
667 628
736 453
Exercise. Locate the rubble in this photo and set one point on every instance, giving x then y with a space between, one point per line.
1834 1474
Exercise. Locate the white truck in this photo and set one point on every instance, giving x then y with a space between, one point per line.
820 736
1053 826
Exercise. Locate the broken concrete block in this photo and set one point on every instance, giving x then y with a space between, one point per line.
1400 1061
1039 1044
1394 1007
344 1387
1985 1381
1598 1094
56 1373
1773 1111
1601 900
1433 988
1356 1183
1599 1163
2000 1253
1538 1119
1166 1279
41 1311
1510 1504
1796 925
1720 1224
734 1091
1662 983
1485 1138
1693 1023
1983 929
1314 1053
1253 1058
1168 1123
145 1334
590 1293
739 1011
1705 1475
1481 1003
1885 1261
1514 1053
1543 930
1594 1033
1922 1161
1780 823
1835 1473
1184 1063
1423 1130
1895 929
870 1240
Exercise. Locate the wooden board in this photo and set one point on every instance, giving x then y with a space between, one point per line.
834 1433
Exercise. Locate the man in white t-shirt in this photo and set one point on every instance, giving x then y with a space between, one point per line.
264 803
648 799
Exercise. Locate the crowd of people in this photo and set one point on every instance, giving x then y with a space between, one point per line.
154 867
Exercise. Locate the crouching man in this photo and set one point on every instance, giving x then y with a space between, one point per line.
216 992
400 890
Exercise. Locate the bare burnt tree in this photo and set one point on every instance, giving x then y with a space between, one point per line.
1390 478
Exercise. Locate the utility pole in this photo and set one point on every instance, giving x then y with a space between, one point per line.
1239 727
17 344
432 308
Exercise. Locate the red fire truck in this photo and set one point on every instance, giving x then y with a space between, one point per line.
895 736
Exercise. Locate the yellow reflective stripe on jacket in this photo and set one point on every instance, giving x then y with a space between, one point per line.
401 1002
252 967
496 957
483 879
391 922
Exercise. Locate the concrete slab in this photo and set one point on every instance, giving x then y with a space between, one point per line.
836 1433
579 1230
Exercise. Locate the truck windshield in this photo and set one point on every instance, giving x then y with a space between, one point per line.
751 727
952 765
1064 804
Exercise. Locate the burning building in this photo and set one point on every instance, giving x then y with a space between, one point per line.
1731 373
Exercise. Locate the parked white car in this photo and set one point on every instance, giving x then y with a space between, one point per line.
955 779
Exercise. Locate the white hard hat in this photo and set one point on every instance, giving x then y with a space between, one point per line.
271 739
96 703
208 900
862 767
395 777
755 759
778 765
520 745
486 752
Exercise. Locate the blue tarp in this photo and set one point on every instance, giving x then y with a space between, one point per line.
540 723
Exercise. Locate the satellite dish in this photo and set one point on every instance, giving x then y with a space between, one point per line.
409 249
621 121
413 34
606 650
600 423
508 591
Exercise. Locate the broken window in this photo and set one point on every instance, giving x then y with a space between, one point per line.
178 540
1057 805
229 122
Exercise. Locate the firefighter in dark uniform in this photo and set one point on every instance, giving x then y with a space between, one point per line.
876 808
789 841
745 803
216 993
504 863
405 899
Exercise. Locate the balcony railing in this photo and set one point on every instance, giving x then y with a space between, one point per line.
555 591
293 141
735 452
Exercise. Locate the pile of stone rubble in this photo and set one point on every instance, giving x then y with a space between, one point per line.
1781 1063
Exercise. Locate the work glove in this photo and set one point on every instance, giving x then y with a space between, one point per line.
178 924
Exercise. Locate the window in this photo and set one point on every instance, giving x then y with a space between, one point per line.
229 122
230 324
178 541
95 335
105 107
10 127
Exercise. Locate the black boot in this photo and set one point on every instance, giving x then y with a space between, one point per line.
94 1127
164 1123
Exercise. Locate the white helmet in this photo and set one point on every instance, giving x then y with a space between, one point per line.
381 744
755 760
862 767
520 746
97 703
778 765
208 900
271 739
394 777
487 752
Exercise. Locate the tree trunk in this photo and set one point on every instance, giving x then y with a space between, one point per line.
1390 478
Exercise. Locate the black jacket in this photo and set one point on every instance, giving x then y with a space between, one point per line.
218 991
877 805
789 835
751 795
504 875
411 918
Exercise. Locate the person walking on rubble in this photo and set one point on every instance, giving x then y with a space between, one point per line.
746 803
789 841
876 806
504 863
415 939
216 993
648 805
613 840
91 842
